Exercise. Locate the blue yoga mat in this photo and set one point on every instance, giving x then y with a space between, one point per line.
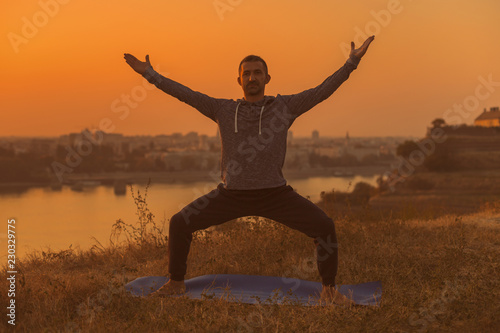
254 289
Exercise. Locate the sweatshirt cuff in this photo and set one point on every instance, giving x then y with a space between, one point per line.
149 74
353 60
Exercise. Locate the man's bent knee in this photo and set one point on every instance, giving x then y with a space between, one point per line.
187 212
177 223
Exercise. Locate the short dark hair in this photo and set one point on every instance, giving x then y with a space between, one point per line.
252 58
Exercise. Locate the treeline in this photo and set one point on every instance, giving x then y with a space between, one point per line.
442 158
25 167
316 160
454 154
32 167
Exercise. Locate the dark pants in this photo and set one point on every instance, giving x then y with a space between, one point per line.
281 204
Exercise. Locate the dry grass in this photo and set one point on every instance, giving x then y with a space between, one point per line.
438 274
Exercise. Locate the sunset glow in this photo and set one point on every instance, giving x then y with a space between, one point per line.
63 68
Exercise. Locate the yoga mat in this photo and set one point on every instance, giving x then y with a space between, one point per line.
255 289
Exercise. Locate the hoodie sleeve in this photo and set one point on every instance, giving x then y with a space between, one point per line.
306 100
207 105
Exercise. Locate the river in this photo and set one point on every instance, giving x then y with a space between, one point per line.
58 219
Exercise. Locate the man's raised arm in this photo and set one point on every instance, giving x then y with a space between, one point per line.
306 100
205 104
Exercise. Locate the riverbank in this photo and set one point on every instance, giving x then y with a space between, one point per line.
214 175
180 177
424 195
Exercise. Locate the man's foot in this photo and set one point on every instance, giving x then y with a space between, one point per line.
330 295
170 288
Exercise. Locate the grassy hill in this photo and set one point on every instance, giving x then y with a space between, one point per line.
438 274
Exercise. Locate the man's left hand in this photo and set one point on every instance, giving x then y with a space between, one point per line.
360 52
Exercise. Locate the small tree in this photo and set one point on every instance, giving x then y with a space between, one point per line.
406 148
362 193
438 122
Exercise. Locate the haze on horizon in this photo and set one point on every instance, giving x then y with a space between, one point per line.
68 73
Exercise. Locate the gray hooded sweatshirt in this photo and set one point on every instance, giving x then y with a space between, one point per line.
253 135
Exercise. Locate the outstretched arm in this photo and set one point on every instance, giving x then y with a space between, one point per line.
306 100
205 104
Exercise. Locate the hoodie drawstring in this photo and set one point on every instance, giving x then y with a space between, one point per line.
236 119
260 119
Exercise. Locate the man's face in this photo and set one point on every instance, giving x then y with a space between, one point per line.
253 78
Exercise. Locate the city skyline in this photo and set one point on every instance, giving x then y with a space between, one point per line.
290 133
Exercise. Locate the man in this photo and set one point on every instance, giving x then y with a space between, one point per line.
253 133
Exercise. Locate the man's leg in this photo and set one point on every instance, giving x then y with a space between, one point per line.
213 208
291 209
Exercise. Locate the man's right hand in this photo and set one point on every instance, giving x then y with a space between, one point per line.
136 64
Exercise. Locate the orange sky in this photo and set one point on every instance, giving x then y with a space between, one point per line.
69 73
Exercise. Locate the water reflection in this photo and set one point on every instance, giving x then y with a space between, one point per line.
63 217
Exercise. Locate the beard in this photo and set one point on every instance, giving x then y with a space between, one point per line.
253 89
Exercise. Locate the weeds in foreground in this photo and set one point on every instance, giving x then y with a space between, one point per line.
145 231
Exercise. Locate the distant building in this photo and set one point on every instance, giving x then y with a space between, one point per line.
113 140
297 158
315 135
332 151
191 139
489 118
43 146
360 151
203 142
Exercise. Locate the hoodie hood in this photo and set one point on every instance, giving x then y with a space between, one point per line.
262 102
